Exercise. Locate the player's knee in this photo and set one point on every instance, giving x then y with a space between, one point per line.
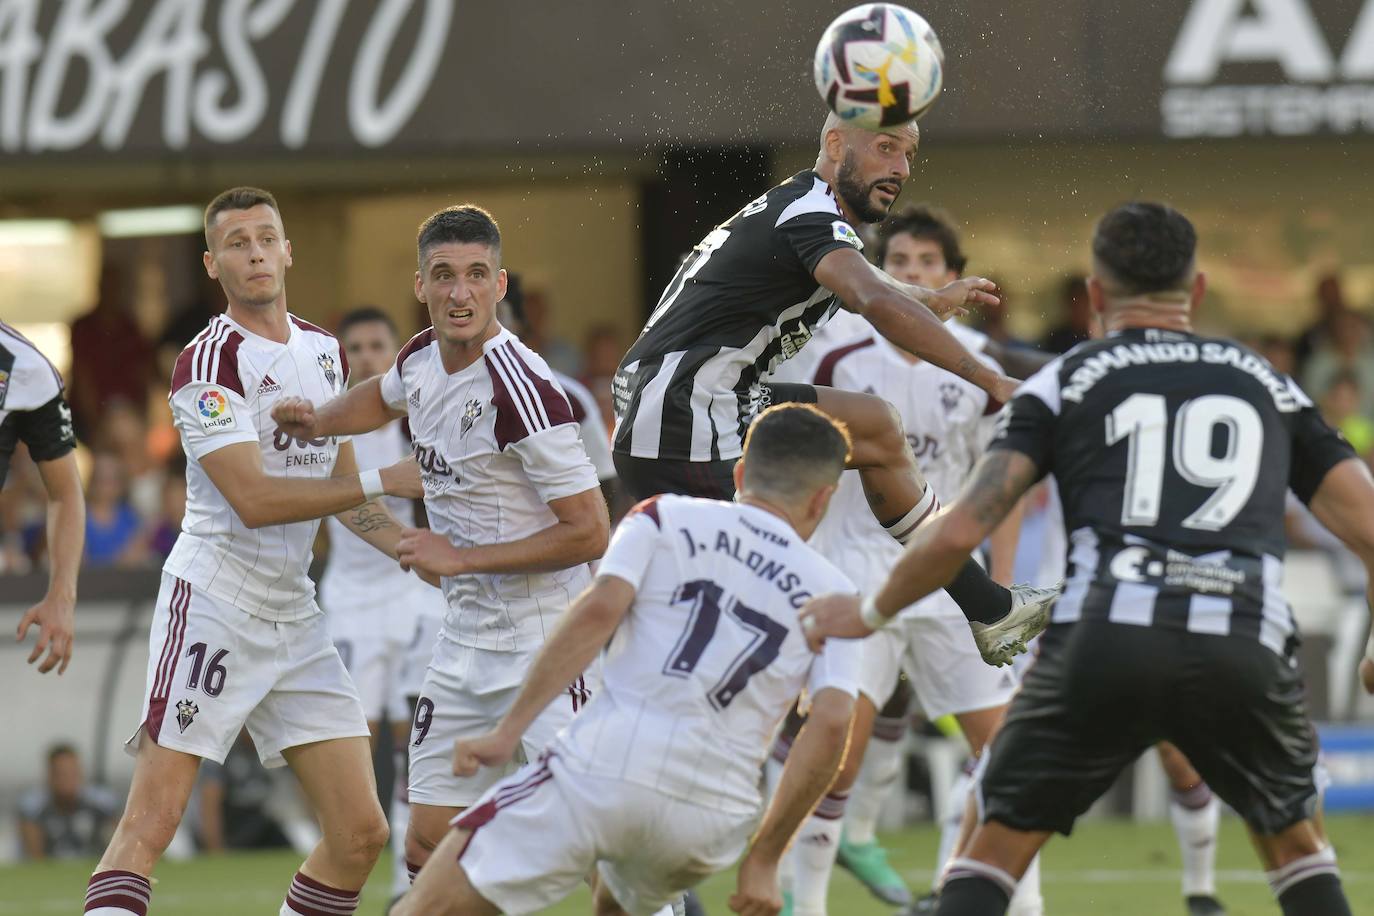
361 845
420 841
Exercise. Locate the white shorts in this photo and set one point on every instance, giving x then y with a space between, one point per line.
936 649
465 694
214 669
374 659
536 835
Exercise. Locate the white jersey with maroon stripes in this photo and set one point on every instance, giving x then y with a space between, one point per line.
711 655
947 422
223 389
357 574
496 443
595 436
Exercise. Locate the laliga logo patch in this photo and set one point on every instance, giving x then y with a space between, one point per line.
845 233
327 364
214 410
471 411
186 714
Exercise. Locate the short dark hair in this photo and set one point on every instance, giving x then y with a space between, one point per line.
240 198
364 315
1145 247
923 222
461 223
793 446
61 749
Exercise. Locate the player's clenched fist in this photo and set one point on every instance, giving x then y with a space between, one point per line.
295 416
490 750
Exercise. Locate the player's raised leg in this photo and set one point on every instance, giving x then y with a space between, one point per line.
901 500
337 778
163 780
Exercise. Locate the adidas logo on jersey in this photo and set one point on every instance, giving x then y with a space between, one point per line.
414 398
269 386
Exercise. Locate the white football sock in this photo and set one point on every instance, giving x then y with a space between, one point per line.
881 769
953 821
904 528
1196 814
813 856
1027 900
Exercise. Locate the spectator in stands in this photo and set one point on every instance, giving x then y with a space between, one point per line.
166 526
233 802
539 335
1331 310
123 431
112 524
1348 349
1075 322
1340 406
601 351
111 359
1280 351
66 818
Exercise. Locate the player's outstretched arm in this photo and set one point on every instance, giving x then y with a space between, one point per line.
574 643
911 316
358 410
811 767
372 521
578 536
1344 503
56 613
260 500
933 557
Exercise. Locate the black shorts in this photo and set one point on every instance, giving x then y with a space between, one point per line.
645 477
1099 694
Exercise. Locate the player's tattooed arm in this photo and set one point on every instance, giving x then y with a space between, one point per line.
372 521
369 517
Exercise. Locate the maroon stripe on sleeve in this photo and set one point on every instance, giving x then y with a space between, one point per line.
413 346
554 401
647 507
228 374
825 372
509 425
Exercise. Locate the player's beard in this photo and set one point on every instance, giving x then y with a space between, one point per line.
856 195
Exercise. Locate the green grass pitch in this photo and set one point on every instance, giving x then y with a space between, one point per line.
1108 868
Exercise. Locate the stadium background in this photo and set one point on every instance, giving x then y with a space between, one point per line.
607 138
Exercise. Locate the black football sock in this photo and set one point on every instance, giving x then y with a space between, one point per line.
972 895
1310 886
979 597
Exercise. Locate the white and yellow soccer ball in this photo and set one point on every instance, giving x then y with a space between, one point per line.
879 65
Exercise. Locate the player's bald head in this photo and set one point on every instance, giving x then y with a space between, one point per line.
851 134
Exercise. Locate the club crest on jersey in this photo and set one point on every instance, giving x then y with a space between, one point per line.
213 407
950 393
845 233
4 386
471 411
186 714
327 365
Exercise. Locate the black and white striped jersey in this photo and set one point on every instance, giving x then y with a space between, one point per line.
744 300
33 409
1173 454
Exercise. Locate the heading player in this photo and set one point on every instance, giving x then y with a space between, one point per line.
514 503
950 423
1156 436
34 411
748 298
237 638
698 599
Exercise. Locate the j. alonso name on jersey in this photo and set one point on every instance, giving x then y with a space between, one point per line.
1096 367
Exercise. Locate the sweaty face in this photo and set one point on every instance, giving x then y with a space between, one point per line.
460 283
873 170
370 347
249 255
917 261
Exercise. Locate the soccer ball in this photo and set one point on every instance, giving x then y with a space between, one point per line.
879 65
